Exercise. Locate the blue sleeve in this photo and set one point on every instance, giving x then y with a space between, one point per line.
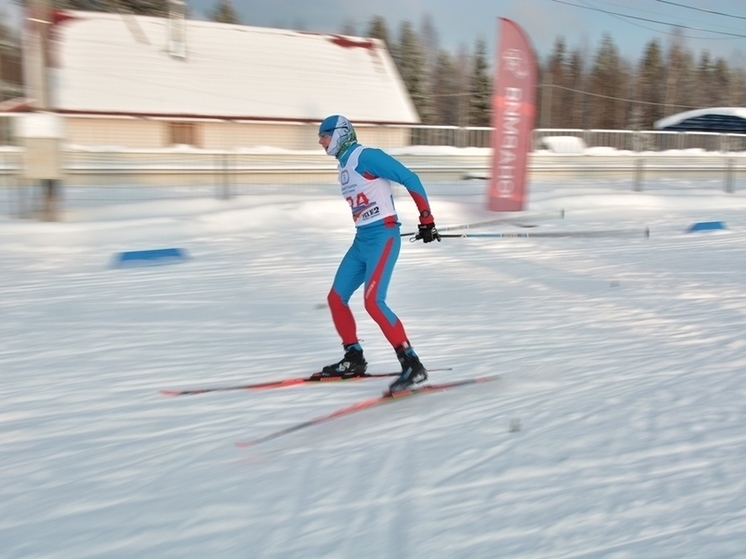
380 164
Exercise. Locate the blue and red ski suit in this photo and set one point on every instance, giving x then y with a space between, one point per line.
365 175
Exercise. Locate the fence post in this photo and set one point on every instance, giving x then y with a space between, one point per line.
729 175
224 170
639 174
637 142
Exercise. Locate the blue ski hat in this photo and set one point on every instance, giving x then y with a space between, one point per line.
342 133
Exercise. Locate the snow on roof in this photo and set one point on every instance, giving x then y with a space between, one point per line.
120 64
673 120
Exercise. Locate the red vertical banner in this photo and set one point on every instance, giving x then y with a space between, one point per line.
513 114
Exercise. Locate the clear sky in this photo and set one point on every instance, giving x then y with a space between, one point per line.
719 27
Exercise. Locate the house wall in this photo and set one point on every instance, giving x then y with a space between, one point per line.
233 134
123 132
149 133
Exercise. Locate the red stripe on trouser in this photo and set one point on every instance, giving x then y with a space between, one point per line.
394 333
342 317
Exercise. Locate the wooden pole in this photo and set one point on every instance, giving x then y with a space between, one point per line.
40 18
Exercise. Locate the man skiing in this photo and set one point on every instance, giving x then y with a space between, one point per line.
365 175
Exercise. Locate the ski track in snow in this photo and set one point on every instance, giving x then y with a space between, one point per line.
615 429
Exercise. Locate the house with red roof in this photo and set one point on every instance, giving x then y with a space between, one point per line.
149 82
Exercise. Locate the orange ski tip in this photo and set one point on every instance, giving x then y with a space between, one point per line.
398 393
275 384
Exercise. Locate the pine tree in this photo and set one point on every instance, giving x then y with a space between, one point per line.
721 84
225 12
677 70
409 60
446 91
576 80
348 28
552 95
738 79
430 49
705 91
464 65
157 8
685 95
651 85
11 78
377 29
86 5
607 77
429 42
480 90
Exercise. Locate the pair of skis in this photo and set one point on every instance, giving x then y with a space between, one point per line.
274 384
386 397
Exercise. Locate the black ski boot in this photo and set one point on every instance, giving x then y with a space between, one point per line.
353 364
413 372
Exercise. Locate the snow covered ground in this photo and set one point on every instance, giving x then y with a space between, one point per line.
615 430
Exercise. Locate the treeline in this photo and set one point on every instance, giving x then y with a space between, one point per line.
577 88
607 92
11 70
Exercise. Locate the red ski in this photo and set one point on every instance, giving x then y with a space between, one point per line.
278 383
365 404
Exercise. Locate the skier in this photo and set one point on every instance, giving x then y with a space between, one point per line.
365 175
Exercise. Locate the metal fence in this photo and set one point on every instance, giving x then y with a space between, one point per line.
638 159
646 141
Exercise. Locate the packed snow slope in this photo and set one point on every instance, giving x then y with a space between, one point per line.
616 428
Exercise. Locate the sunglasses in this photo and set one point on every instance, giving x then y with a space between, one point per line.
329 131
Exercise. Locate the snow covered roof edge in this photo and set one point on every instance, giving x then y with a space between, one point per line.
119 64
